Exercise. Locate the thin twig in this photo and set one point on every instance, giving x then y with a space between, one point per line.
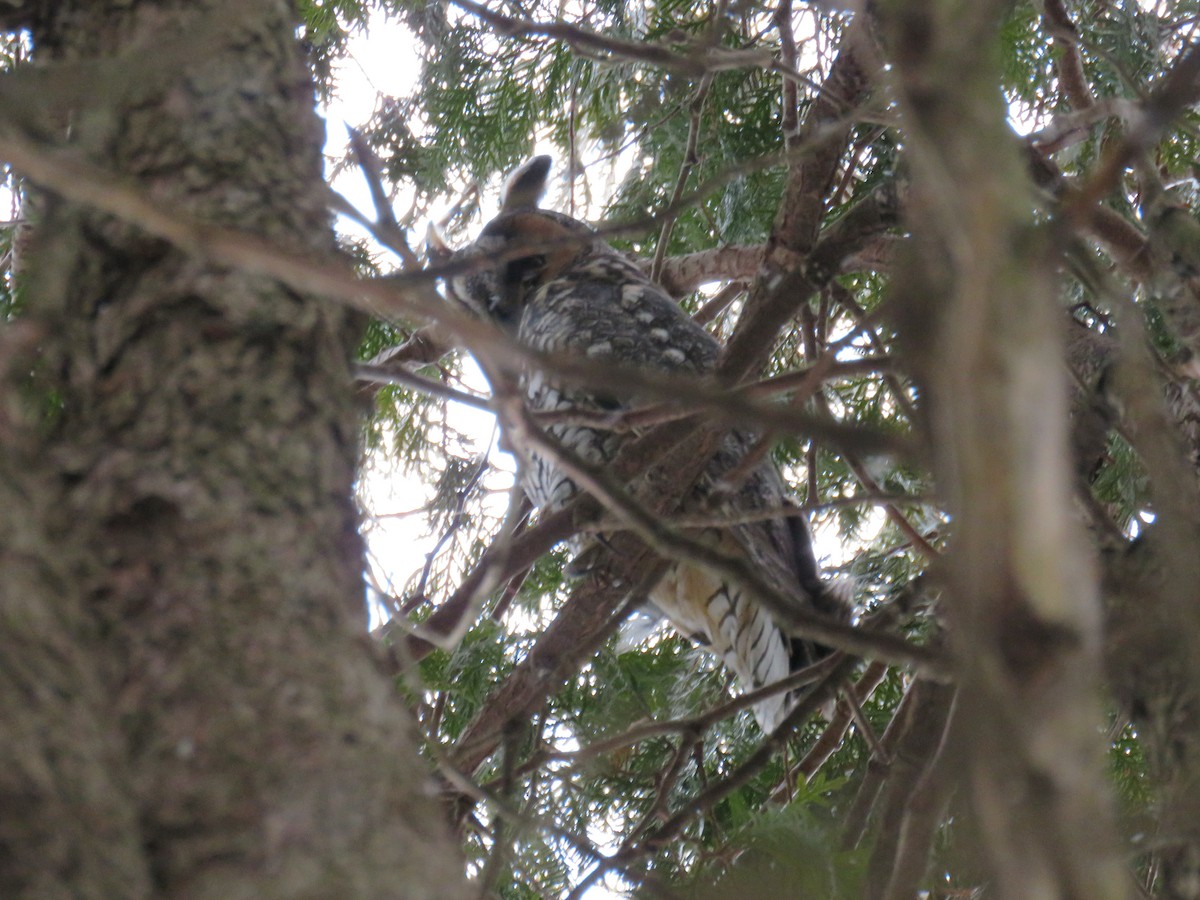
690 160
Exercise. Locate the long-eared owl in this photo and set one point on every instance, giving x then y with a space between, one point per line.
571 293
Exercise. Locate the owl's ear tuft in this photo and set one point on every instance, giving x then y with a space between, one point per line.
526 185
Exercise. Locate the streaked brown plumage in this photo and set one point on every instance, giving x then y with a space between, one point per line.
572 293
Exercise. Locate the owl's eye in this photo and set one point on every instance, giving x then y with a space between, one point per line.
502 290
517 278
523 272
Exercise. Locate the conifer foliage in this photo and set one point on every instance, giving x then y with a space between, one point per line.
940 243
951 253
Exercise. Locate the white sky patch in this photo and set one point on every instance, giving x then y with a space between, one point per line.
385 59
398 534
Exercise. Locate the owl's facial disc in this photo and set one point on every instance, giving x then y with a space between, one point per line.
526 248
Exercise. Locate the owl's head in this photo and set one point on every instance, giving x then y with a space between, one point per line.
519 250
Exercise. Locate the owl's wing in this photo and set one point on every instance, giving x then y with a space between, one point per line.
604 308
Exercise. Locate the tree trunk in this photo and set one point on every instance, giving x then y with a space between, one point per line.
976 302
191 706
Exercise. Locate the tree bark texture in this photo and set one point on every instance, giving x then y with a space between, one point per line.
977 301
191 705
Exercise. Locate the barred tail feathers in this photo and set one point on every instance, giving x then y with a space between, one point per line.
734 627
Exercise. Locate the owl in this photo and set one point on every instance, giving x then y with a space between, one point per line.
558 288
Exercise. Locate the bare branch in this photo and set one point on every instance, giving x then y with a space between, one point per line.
696 60
976 307
681 275
1177 90
691 159
915 791
401 376
1071 77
